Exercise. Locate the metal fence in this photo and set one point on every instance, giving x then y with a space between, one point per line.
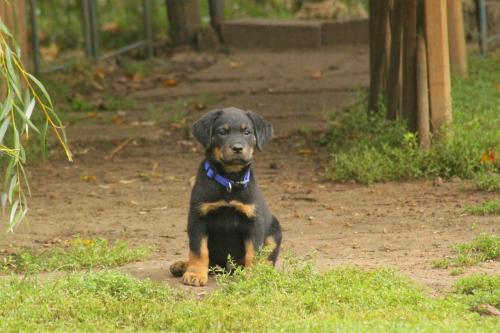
90 22
484 39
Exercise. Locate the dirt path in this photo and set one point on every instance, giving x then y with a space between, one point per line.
142 194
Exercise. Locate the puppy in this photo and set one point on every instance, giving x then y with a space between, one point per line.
228 216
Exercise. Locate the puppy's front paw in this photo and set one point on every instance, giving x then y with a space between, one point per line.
195 278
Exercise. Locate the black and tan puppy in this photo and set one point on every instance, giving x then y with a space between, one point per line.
228 215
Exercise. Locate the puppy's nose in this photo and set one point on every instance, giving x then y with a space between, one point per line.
237 147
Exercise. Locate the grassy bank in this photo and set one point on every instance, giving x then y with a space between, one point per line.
296 299
369 148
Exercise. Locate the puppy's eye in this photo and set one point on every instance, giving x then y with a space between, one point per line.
222 131
247 132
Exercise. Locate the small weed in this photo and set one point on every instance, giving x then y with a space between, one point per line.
488 181
441 263
478 289
74 254
81 104
457 271
491 207
116 103
483 248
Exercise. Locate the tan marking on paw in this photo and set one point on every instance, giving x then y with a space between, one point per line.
197 268
249 253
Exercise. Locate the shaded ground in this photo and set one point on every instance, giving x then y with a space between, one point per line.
142 194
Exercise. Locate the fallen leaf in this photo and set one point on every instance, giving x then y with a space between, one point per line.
88 178
91 115
200 106
488 156
97 86
50 52
137 77
317 75
111 27
117 119
170 82
497 85
99 72
305 152
236 64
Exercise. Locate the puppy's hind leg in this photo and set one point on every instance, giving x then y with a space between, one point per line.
273 240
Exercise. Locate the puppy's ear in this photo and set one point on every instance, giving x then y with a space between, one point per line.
263 129
202 128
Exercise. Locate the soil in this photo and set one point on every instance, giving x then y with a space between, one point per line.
141 194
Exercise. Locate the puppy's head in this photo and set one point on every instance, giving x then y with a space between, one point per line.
231 135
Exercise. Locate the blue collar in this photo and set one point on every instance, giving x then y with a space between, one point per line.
227 183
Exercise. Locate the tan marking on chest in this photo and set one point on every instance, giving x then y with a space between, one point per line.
246 209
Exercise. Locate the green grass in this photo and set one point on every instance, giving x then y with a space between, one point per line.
488 181
490 207
479 289
368 148
75 254
295 299
483 248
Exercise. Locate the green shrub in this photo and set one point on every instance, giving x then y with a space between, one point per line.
369 148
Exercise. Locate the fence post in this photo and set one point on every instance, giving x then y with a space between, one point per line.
456 35
147 26
13 14
216 14
438 58
379 15
394 74
184 21
409 64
